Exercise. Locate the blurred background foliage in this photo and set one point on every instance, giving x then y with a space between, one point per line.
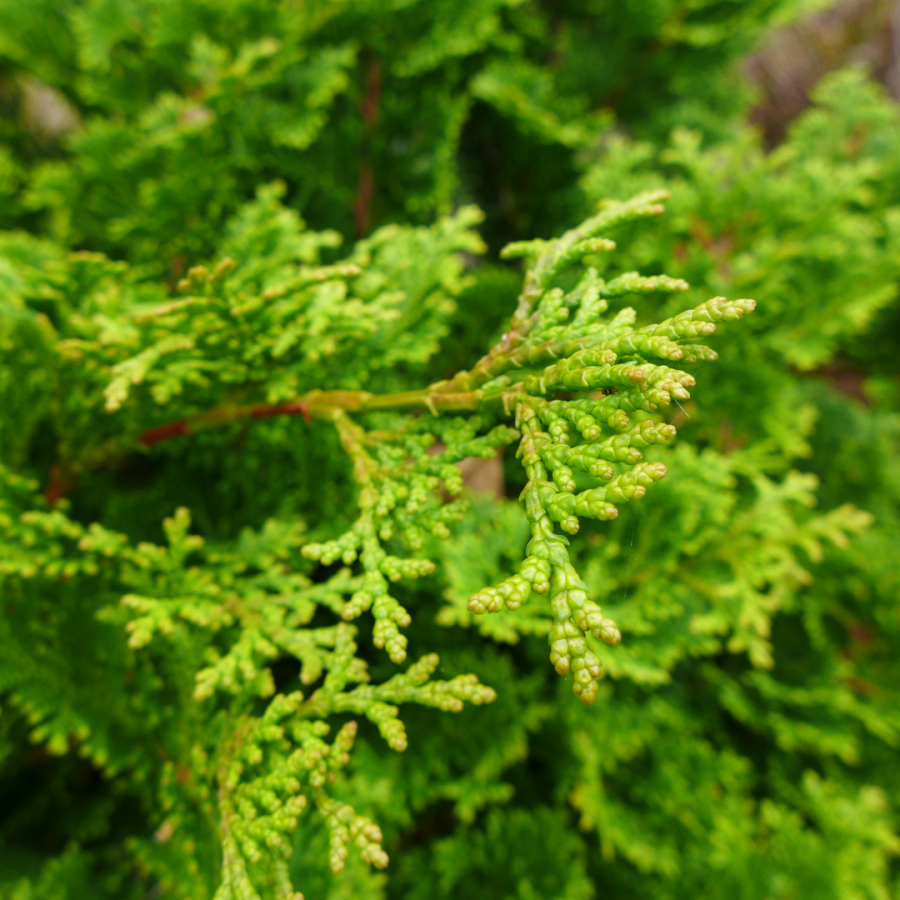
745 744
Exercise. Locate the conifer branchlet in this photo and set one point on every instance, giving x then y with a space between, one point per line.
581 393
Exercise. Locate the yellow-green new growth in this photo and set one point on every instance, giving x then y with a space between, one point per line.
575 412
581 390
577 390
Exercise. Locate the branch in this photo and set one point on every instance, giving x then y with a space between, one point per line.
221 416
327 405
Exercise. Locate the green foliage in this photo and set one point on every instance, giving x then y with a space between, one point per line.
210 703
224 615
187 107
818 214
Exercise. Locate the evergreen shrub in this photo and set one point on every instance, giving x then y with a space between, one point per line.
256 636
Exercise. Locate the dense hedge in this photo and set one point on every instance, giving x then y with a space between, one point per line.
212 210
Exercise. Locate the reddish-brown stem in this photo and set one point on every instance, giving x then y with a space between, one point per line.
369 107
371 102
364 194
184 427
283 409
327 405
165 433
57 486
